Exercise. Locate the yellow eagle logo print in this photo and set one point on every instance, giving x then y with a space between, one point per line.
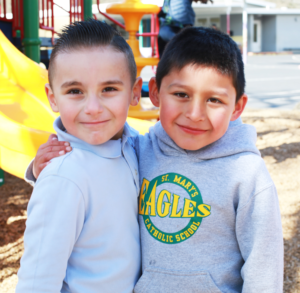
167 204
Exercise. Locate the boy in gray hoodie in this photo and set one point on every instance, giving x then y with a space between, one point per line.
209 212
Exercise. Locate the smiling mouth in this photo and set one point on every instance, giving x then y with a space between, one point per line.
191 130
94 122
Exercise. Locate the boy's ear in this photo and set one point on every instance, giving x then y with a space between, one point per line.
239 107
153 92
137 89
51 98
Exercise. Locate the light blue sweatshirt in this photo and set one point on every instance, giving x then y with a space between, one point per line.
209 219
82 233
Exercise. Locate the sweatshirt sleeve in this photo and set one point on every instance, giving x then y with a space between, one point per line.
259 234
56 214
29 177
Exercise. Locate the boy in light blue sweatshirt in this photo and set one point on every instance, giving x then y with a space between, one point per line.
82 232
209 211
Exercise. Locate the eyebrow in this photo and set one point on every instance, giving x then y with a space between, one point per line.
109 82
219 93
72 83
212 92
179 85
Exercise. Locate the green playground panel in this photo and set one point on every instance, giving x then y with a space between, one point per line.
1 177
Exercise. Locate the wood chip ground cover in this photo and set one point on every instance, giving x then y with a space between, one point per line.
279 143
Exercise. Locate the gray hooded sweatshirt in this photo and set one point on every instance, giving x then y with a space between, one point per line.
209 219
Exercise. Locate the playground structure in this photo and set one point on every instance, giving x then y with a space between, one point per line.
26 118
132 12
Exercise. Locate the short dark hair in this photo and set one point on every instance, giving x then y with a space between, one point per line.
206 47
91 33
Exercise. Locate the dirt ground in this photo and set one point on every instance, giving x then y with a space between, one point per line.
279 143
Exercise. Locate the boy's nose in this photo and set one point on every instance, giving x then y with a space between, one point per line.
196 111
93 105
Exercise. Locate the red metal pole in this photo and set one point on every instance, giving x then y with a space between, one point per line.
52 21
52 14
108 17
152 31
112 20
75 10
71 11
78 12
48 18
21 11
4 8
43 12
156 39
13 17
80 5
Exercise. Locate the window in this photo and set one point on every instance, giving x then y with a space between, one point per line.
255 33
146 29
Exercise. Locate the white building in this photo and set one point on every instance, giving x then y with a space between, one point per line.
269 28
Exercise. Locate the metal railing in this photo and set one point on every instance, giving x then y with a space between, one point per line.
76 10
15 8
76 13
47 16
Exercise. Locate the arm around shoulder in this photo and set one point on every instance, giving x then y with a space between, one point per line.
56 214
259 234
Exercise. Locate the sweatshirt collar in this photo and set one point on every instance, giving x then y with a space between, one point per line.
110 149
238 138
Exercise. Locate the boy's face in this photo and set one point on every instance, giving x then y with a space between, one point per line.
92 91
196 105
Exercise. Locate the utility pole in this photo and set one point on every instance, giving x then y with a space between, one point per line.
245 32
228 20
31 41
88 9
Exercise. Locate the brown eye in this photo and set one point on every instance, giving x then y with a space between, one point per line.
214 100
109 89
74 92
181 95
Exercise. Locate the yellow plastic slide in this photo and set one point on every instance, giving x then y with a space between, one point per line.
25 115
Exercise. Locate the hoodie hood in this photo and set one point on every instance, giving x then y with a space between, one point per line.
243 135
